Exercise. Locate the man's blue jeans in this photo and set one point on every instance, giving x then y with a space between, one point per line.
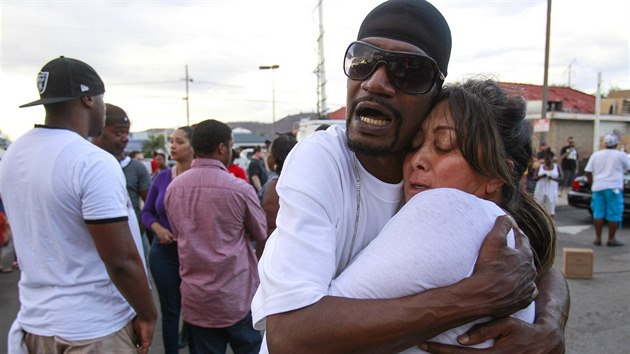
164 264
242 337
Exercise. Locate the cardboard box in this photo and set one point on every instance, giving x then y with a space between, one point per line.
577 263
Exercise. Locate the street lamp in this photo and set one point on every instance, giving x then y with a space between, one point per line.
273 95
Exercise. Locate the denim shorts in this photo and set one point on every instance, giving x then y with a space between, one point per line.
608 204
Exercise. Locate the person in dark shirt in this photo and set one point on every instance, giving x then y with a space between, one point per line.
570 156
256 171
544 150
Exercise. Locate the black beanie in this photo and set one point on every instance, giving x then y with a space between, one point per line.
413 21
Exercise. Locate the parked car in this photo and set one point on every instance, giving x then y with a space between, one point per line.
580 194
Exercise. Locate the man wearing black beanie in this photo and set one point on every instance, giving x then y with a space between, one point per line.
340 187
114 139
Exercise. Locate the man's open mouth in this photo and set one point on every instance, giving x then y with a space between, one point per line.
373 116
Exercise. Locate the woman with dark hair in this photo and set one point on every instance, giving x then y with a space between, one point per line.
280 148
163 256
462 171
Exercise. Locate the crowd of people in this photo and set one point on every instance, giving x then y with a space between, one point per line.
349 241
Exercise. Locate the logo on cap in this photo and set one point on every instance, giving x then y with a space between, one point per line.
42 81
64 79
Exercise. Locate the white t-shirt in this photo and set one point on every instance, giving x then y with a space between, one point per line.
607 167
313 241
52 182
432 242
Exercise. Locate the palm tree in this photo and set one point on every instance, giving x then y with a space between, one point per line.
153 144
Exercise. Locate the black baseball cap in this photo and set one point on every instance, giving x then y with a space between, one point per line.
64 79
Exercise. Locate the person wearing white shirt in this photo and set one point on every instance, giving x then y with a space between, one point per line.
605 170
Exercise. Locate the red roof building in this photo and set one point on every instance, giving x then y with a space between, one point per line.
559 99
338 114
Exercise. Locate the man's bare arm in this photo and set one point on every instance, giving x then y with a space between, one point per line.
545 336
503 282
552 306
143 194
256 182
116 248
552 312
589 177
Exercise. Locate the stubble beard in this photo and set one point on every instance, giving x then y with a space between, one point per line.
359 147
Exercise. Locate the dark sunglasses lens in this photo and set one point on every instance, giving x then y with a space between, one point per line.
412 74
409 73
360 61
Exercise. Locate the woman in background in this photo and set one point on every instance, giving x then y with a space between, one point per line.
163 257
280 148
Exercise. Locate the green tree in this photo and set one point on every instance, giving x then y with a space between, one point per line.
154 143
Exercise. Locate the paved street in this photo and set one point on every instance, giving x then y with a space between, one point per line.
9 306
599 320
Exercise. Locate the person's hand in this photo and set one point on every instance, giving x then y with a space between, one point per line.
505 276
165 237
511 335
163 234
144 332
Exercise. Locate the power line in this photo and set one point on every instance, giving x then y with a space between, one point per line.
217 84
142 83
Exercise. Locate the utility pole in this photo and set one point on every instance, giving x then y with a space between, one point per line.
322 110
598 106
570 69
187 79
543 135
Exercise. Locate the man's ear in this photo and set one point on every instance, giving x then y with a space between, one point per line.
87 101
221 149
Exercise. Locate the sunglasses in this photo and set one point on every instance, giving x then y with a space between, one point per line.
412 73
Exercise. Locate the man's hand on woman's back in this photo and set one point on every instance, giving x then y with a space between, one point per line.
505 276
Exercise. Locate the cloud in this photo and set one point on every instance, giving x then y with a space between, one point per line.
141 48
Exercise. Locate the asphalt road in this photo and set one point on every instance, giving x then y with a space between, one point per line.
599 319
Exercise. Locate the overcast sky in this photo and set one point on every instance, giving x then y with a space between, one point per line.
141 48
